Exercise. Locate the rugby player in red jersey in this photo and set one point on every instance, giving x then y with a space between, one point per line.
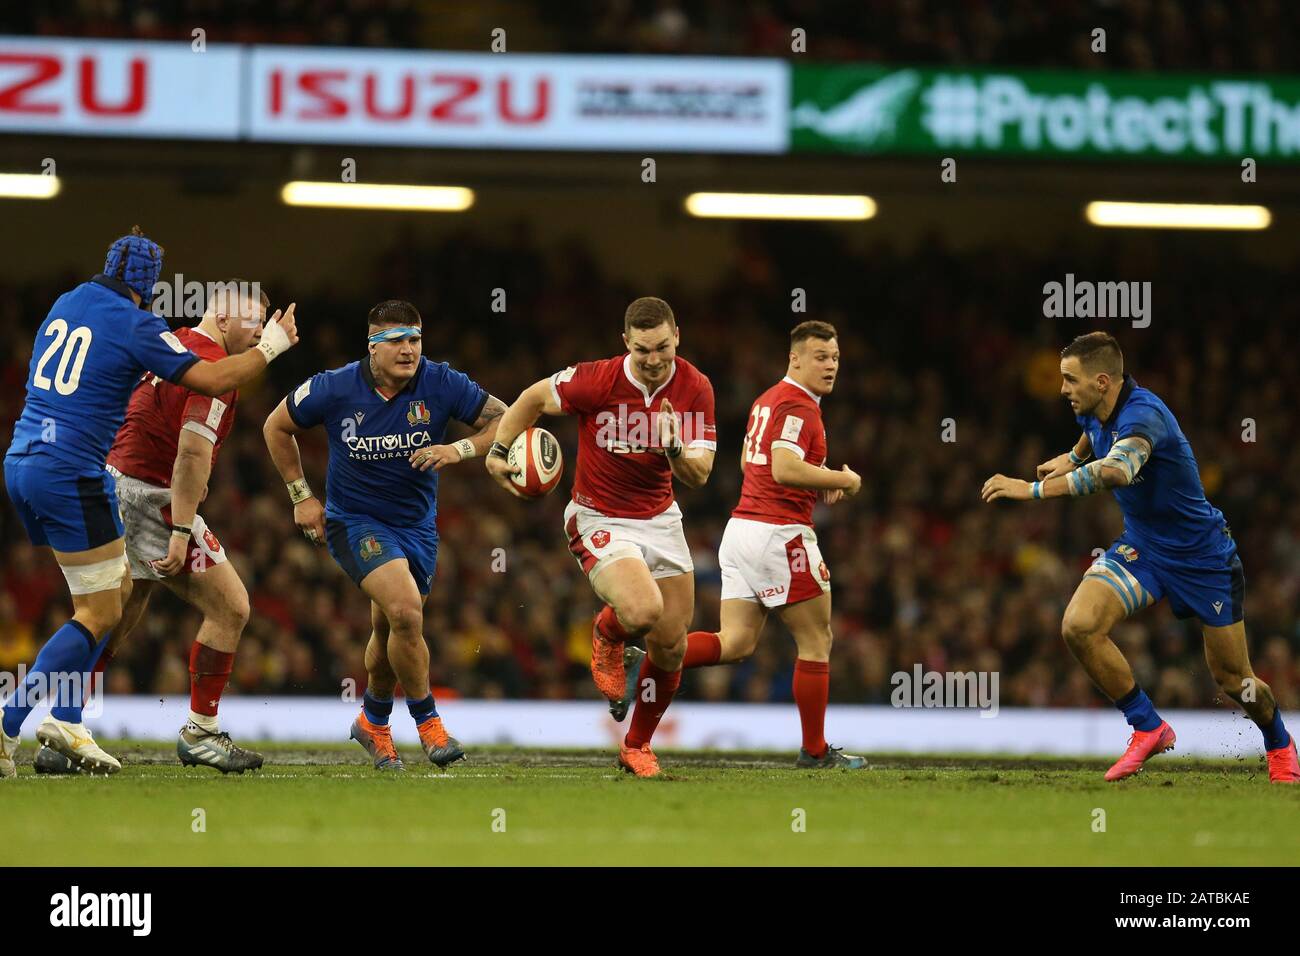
162 459
769 556
645 418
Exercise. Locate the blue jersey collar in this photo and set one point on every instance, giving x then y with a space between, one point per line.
1125 391
368 377
117 285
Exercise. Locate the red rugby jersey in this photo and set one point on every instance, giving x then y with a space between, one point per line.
622 470
787 416
145 447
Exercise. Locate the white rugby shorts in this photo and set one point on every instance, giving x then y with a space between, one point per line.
597 540
775 564
146 516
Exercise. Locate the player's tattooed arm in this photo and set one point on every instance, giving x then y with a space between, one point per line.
476 445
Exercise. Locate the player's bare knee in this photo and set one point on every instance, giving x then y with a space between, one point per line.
667 650
1080 626
102 619
641 613
236 612
405 622
815 646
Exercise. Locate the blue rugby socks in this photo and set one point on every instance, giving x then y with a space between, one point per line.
69 651
72 708
1275 733
1138 710
377 709
421 710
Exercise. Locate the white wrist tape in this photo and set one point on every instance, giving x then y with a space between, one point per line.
275 341
466 448
299 490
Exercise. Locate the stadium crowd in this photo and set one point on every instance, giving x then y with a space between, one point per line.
1141 34
949 375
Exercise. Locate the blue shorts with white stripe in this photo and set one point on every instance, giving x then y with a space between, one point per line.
1210 589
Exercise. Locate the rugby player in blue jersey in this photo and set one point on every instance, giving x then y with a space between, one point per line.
89 354
1175 545
386 419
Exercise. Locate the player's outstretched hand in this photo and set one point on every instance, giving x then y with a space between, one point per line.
279 334
177 551
501 470
1055 467
832 496
1000 486
435 457
288 322
309 516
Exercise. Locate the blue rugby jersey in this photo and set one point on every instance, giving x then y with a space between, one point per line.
371 437
90 353
1165 508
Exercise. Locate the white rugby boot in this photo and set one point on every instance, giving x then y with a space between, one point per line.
8 750
75 742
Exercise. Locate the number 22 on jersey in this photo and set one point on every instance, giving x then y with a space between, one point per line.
754 437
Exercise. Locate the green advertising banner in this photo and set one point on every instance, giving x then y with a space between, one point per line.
880 109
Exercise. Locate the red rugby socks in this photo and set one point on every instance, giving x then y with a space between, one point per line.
703 648
645 718
812 684
209 672
607 622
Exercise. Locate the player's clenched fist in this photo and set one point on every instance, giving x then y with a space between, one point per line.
309 516
854 488
1000 486
178 546
501 470
1055 467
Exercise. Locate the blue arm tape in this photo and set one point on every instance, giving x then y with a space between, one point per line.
397 332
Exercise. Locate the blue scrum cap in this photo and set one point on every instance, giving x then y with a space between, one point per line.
136 260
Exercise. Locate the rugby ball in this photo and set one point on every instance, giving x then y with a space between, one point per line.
541 463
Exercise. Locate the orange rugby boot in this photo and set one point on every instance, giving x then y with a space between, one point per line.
441 747
607 664
1283 767
378 742
638 760
1143 745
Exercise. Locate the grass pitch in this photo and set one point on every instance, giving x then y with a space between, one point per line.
326 806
